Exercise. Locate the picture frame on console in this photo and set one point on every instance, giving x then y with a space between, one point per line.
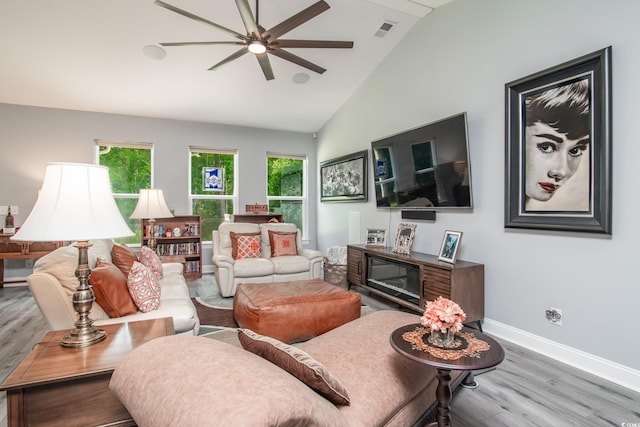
376 237
558 147
344 179
449 247
404 238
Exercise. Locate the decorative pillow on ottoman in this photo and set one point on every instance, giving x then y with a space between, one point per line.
143 287
149 258
110 289
245 245
283 244
296 362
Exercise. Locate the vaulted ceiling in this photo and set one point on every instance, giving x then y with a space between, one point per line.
90 55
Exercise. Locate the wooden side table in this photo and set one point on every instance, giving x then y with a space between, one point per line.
61 386
475 351
10 249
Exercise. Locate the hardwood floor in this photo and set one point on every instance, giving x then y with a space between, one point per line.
527 389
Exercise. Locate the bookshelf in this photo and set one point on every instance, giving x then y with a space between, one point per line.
178 239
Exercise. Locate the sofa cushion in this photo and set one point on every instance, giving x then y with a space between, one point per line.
230 387
290 264
225 238
149 258
123 257
245 245
110 289
282 244
253 267
143 287
297 363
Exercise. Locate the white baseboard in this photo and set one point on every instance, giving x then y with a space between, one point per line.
611 371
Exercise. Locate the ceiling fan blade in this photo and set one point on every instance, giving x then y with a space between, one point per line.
265 64
197 43
297 60
325 44
199 19
247 17
237 54
297 19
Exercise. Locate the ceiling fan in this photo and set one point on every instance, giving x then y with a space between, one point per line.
261 41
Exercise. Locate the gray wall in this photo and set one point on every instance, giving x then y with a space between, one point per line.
459 58
31 137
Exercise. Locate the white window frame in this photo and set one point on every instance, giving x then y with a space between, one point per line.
305 189
214 195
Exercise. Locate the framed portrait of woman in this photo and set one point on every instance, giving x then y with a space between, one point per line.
558 144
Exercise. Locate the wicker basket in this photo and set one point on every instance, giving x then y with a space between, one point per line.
336 274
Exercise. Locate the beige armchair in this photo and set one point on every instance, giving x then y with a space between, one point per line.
229 272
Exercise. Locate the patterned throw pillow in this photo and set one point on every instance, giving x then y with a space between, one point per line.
143 287
245 245
283 244
296 362
149 258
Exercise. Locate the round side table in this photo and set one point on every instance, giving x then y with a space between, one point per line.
475 351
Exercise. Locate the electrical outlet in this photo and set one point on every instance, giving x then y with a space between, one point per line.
14 210
554 315
3 210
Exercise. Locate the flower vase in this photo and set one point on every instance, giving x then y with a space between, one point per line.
442 339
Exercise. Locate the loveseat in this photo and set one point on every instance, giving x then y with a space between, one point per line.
206 382
261 265
53 281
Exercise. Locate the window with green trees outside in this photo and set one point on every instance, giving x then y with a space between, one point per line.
212 190
286 187
129 170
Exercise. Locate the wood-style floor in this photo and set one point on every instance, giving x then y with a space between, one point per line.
527 389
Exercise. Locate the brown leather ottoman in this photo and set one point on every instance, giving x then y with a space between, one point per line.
294 311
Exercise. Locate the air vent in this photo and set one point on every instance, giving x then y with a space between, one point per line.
384 29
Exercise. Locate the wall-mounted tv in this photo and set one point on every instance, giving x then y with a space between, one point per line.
424 168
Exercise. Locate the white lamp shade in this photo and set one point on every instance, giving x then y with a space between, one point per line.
74 203
151 204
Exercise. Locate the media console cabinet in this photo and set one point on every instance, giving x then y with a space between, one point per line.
412 280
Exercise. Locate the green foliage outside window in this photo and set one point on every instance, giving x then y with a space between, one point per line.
211 210
285 179
129 171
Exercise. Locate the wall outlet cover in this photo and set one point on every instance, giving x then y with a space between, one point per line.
4 210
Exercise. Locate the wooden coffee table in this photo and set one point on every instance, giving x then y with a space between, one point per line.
477 351
61 386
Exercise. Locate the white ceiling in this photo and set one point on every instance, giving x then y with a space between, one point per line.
87 55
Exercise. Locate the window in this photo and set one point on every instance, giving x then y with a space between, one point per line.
212 191
287 187
130 169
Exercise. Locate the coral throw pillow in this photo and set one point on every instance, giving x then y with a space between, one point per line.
296 362
110 289
149 258
283 244
123 258
245 245
143 287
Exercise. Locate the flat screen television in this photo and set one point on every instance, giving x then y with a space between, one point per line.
425 168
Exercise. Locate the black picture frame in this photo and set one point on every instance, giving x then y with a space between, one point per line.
533 181
344 179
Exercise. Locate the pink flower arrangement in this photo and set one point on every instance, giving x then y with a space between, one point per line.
443 314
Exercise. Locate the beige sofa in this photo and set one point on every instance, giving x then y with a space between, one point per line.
229 272
53 282
204 381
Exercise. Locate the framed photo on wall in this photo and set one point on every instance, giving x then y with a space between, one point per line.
449 247
404 238
344 179
376 237
558 147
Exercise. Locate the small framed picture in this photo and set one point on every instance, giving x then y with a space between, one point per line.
404 238
376 237
449 246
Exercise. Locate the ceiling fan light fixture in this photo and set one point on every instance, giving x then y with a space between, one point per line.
257 47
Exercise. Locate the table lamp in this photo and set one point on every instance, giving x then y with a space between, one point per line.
75 203
151 205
